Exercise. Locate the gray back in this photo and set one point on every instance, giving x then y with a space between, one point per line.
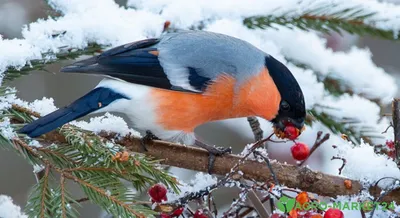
210 54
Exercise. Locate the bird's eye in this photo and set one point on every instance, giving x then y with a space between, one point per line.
285 106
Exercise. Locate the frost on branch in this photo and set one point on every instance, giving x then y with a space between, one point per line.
340 96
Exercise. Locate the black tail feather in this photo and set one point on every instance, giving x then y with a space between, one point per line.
94 100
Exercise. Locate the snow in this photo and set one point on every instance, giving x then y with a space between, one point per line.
43 106
364 165
369 119
109 123
199 182
8 209
106 23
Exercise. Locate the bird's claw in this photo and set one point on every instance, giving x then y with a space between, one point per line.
146 139
213 153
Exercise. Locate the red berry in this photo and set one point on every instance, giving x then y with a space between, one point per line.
390 144
199 214
163 215
300 151
392 154
277 215
177 212
311 214
158 193
333 213
291 132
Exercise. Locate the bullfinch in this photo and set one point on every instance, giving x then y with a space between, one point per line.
168 86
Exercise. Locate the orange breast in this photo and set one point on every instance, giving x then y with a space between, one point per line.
222 100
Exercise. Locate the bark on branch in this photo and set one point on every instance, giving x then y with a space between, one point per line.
396 127
196 159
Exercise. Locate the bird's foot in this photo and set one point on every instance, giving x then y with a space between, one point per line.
146 139
212 153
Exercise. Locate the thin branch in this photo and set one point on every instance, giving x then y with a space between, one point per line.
258 204
102 192
390 125
317 143
396 127
80 200
269 167
249 210
63 202
44 190
242 198
344 163
381 196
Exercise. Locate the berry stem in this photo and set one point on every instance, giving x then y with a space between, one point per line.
317 143
344 163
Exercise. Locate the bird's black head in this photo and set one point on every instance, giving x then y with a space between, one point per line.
292 107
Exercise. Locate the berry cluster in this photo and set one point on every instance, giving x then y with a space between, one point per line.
391 151
300 151
158 194
302 199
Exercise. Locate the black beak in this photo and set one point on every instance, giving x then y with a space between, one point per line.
281 123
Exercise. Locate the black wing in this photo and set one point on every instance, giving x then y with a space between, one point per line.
135 62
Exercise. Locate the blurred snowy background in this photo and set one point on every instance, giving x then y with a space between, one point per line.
16 178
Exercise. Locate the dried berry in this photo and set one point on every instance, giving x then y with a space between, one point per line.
302 198
347 184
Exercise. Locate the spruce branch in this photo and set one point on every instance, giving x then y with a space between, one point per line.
343 126
39 204
324 19
65 53
88 160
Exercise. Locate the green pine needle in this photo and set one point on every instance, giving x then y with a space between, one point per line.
324 19
40 200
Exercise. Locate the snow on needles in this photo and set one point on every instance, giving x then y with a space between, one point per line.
106 23
109 123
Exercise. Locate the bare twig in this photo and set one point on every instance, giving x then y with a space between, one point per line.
258 204
396 127
362 213
317 143
344 163
381 196
269 166
249 210
242 197
80 200
390 125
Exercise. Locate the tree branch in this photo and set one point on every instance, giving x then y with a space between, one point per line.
197 159
396 127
